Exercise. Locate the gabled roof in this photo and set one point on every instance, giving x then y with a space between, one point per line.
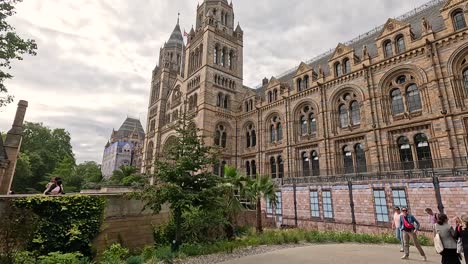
430 11
340 50
391 26
303 68
128 126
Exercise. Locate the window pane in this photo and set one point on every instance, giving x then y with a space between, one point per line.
459 20
327 204
381 208
343 116
465 80
413 98
397 102
355 113
314 204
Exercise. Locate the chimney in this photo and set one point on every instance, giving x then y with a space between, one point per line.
265 81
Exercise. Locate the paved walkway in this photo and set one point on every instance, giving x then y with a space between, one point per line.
339 254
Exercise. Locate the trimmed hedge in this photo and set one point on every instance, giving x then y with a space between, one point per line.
65 223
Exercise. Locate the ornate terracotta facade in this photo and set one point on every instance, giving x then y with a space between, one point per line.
395 99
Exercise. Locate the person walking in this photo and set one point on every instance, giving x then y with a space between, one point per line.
396 226
431 216
447 235
409 226
462 232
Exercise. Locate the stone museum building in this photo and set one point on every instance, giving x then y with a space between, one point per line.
124 147
381 120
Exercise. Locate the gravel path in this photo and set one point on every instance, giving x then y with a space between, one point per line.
239 253
320 253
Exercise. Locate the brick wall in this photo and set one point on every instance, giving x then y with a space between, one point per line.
420 194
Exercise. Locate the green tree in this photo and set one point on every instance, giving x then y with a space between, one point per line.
90 171
66 171
23 174
255 190
122 173
45 149
183 178
12 47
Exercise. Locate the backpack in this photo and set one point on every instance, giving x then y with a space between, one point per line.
438 244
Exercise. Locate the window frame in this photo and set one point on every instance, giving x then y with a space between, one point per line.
378 204
399 198
400 44
327 201
388 48
458 13
314 204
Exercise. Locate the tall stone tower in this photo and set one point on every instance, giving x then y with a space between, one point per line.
207 84
170 67
214 55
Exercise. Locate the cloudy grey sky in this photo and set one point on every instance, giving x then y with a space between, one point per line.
95 57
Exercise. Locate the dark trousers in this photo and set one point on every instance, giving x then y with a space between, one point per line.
466 256
450 256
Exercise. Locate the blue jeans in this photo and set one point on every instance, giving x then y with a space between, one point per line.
398 236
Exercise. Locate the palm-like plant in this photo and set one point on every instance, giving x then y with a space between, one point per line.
255 189
233 187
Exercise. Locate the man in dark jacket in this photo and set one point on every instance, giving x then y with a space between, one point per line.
409 226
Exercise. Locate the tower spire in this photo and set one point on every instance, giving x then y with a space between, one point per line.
178 16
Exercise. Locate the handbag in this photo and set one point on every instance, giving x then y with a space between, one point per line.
459 242
438 244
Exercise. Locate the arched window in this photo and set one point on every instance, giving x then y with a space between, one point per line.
253 168
412 98
299 84
423 151
273 167
465 80
338 69
254 139
250 103
247 168
361 164
458 20
400 44
397 102
348 160
307 121
305 83
247 136
275 94
279 132
220 136
315 163
272 133
231 59
246 106
305 164
217 138
222 17
346 66
223 57
226 102
355 113
280 167
304 130
312 123
388 51
276 130
219 100
216 55
270 97
344 120
406 155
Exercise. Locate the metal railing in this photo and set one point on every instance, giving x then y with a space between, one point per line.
428 168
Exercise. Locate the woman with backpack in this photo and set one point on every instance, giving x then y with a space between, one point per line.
447 237
462 233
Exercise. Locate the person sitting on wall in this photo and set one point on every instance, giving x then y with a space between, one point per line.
54 187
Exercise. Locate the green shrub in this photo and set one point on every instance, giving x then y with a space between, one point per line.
147 253
59 258
164 254
24 257
115 254
135 260
65 223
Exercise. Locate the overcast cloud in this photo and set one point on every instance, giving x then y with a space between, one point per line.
95 57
